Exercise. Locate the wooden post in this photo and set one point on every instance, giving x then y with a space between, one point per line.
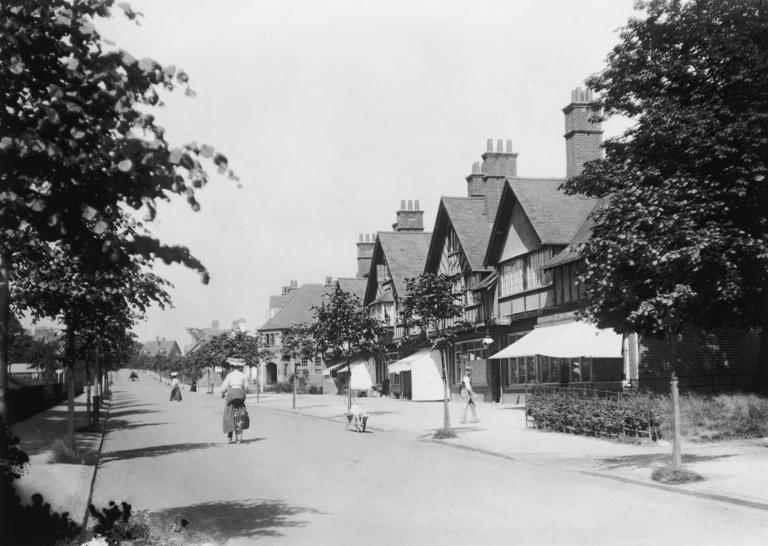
676 457
294 385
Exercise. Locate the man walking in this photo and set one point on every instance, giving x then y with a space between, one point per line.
468 397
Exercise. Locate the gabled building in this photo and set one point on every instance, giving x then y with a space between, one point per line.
297 310
161 347
397 255
277 302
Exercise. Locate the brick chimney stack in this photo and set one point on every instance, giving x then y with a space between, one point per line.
487 179
365 254
582 136
410 218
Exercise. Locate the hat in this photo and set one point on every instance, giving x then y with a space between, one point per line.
237 362
467 368
174 374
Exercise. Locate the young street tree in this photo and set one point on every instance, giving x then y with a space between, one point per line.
344 330
298 345
229 345
79 142
683 236
431 304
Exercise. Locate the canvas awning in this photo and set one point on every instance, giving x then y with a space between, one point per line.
569 340
404 364
327 371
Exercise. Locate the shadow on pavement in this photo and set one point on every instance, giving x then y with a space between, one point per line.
121 424
153 451
126 413
224 520
653 458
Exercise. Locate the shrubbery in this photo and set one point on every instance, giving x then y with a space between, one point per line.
584 412
33 524
718 417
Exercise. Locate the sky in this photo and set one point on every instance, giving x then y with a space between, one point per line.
332 112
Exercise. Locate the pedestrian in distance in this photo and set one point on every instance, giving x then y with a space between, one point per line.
175 388
468 397
233 389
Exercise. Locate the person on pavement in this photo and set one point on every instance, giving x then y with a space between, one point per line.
468 396
175 388
233 388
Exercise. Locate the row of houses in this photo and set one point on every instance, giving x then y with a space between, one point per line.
510 246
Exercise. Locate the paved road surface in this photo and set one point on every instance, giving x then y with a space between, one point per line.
299 480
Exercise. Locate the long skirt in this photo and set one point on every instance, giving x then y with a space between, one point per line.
176 394
228 419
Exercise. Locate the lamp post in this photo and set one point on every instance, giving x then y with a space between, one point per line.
487 342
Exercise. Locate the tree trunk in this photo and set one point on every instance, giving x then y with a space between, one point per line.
762 361
5 311
446 393
69 355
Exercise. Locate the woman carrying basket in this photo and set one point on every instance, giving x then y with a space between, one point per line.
233 389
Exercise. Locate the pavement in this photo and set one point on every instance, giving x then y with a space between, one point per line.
734 472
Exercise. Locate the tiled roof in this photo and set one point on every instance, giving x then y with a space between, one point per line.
299 309
405 253
152 348
279 301
555 216
467 216
353 286
570 253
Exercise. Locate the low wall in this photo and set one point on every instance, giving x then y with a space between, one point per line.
25 402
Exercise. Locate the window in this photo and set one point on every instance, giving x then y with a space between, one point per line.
525 272
318 365
466 353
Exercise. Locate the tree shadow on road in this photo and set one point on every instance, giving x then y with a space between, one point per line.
221 521
650 459
127 413
122 424
153 451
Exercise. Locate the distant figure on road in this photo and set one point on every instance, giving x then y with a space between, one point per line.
468 396
175 388
193 386
233 388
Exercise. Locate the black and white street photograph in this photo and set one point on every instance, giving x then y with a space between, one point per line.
354 272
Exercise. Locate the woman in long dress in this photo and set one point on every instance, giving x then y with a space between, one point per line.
232 388
175 388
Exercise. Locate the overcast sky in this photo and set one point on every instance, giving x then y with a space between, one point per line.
332 112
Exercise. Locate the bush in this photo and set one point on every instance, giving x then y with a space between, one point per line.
583 412
719 417
33 524
666 474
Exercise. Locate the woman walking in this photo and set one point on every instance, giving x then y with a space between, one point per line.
175 388
233 389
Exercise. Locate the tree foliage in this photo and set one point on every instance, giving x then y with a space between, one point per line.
343 328
239 344
79 139
299 344
431 304
682 236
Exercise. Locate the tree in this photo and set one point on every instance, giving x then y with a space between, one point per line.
683 234
237 344
97 308
431 304
79 142
298 345
344 329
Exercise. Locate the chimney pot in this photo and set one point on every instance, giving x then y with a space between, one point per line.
360 239
402 204
416 206
490 145
410 204
499 147
509 145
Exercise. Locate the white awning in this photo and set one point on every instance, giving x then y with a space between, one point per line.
327 371
569 340
404 364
